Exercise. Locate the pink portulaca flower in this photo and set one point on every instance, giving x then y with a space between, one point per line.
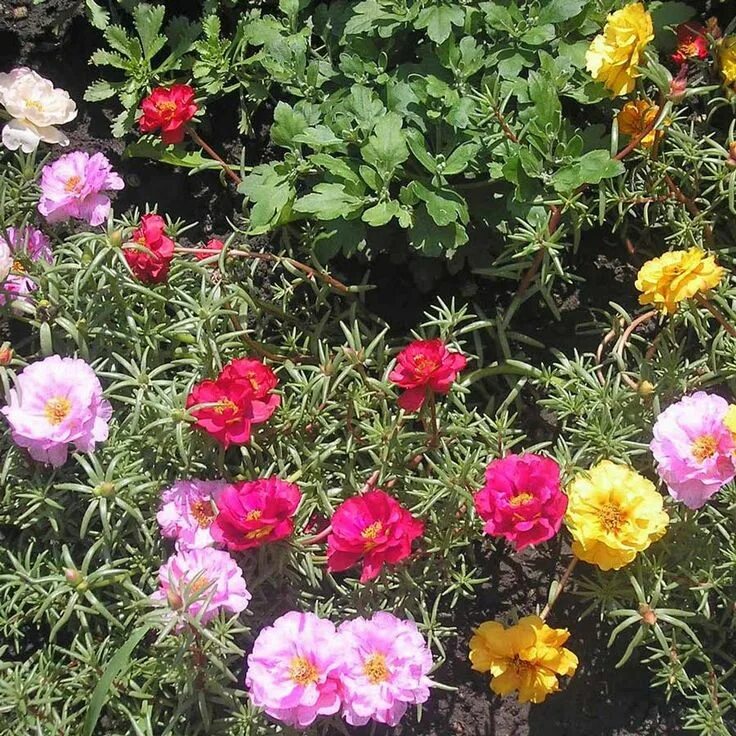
187 512
201 582
74 186
521 500
56 403
386 666
26 246
693 448
295 667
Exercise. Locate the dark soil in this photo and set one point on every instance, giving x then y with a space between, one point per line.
54 39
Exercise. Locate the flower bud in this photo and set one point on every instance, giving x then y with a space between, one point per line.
645 388
115 238
648 616
6 354
731 157
678 85
74 577
105 489
174 599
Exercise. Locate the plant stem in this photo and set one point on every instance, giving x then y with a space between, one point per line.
563 582
700 299
434 439
197 138
317 538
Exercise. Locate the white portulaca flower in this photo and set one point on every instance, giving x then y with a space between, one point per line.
6 260
35 107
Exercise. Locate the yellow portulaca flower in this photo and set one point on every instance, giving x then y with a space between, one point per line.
727 59
613 513
635 117
528 657
614 55
677 275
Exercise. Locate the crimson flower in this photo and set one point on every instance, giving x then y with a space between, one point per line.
168 109
238 398
423 366
150 264
374 528
213 246
255 512
692 43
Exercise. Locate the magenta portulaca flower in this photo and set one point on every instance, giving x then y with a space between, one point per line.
201 582
294 669
74 186
55 404
693 448
386 666
26 245
187 512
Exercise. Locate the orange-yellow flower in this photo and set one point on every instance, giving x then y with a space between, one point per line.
615 55
730 419
613 513
677 275
528 657
635 117
727 59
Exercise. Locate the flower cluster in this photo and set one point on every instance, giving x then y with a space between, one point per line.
303 667
241 396
25 246
528 657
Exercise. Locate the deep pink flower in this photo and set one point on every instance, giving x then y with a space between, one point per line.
374 528
423 366
74 186
188 510
207 251
521 500
151 251
294 669
26 245
55 403
256 512
201 582
386 666
693 448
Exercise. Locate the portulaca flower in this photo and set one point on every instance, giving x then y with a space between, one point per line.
35 107
6 260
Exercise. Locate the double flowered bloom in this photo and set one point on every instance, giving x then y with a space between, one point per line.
240 397
675 276
56 404
613 514
422 367
151 251
187 512
168 110
692 43
35 107
303 667
694 448
521 500
74 186
636 117
615 55
374 528
528 657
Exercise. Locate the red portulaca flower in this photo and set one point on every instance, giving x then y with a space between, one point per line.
241 396
150 263
168 109
424 366
521 500
374 528
254 513
691 43
207 251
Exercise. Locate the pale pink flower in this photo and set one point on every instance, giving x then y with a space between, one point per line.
200 582
26 245
386 669
74 186
6 260
294 669
187 512
693 448
56 403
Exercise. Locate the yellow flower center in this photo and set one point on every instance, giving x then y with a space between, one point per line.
704 447
72 183
370 533
264 531
198 586
521 498
18 267
520 666
222 406
375 669
34 105
254 515
611 517
57 409
202 512
425 365
166 108
303 672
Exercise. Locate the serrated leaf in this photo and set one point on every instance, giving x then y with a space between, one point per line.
459 159
328 202
148 21
439 19
98 16
557 11
386 148
538 35
381 213
418 147
99 90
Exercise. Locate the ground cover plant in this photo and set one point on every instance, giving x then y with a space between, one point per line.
318 414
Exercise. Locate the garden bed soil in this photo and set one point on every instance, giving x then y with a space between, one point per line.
54 39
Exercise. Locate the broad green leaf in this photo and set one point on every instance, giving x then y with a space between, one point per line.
287 124
328 202
173 155
498 17
443 205
381 213
556 11
439 19
386 148
591 168
338 235
543 94
318 136
418 146
148 21
538 35
337 166
459 159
